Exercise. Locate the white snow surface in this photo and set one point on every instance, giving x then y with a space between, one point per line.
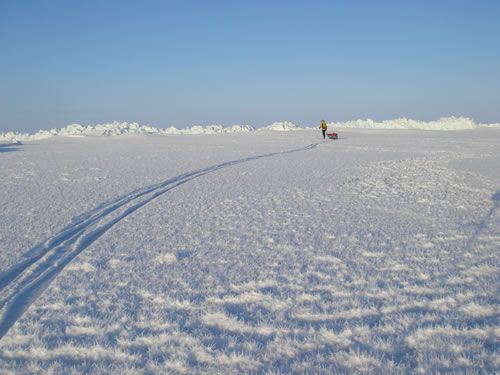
265 252
120 128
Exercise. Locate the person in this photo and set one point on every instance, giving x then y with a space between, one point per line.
323 127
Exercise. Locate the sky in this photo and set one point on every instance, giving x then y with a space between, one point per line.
184 63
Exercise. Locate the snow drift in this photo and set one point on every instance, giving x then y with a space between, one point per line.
119 128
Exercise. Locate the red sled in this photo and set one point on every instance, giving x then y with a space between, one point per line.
332 135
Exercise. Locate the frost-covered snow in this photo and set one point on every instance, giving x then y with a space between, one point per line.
120 128
263 252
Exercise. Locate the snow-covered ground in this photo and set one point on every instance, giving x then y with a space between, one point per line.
264 252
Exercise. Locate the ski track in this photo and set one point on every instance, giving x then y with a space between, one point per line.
23 283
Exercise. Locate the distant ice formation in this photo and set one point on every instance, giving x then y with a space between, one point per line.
119 128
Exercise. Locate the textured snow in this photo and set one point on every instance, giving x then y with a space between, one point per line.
258 252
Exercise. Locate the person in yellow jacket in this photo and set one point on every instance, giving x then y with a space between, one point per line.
323 127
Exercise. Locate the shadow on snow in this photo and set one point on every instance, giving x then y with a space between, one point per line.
9 147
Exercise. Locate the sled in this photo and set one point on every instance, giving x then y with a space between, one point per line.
332 135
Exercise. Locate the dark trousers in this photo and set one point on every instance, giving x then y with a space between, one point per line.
324 131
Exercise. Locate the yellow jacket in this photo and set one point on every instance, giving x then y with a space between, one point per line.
323 125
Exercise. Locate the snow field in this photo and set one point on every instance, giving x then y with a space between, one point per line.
377 253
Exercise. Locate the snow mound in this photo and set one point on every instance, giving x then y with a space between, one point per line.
444 123
281 126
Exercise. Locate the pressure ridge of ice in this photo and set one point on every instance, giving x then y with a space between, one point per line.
119 128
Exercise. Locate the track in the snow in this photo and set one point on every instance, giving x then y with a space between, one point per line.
22 283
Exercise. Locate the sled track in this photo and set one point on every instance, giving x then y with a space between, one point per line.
22 283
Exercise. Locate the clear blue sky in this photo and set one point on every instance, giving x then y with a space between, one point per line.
230 62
